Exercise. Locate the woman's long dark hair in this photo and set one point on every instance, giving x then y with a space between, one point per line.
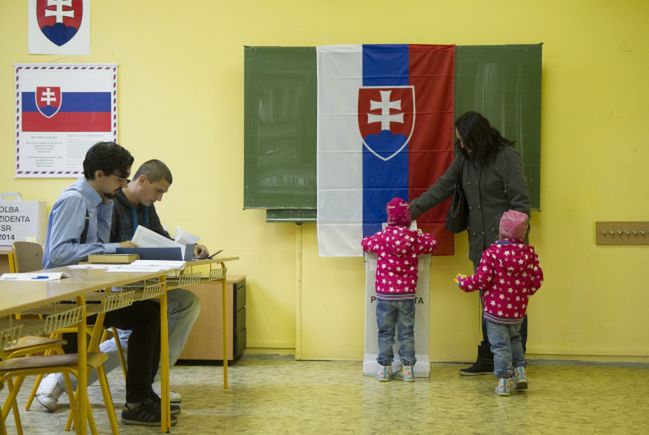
480 137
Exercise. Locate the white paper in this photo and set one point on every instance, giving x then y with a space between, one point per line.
91 266
185 237
39 276
145 238
128 268
163 264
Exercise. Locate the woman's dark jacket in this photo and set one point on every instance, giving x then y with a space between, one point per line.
490 190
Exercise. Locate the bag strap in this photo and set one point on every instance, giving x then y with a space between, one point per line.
459 174
84 233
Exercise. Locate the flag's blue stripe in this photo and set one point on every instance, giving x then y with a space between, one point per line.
383 65
74 102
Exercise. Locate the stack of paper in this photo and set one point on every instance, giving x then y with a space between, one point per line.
39 276
149 266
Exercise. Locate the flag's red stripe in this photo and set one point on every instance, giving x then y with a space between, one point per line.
67 121
430 149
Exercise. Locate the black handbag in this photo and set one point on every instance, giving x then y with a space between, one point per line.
457 219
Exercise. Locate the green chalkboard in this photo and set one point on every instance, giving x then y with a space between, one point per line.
280 128
502 82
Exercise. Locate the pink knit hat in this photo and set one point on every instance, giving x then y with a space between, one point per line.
398 212
513 224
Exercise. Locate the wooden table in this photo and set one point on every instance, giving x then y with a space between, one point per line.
20 296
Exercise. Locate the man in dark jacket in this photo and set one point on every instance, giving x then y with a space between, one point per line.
133 206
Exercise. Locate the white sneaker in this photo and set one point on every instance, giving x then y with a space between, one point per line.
173 396
384 373
504 386
405 374
49 392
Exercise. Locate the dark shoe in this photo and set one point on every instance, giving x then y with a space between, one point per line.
174 409
146 414
478 368
484 365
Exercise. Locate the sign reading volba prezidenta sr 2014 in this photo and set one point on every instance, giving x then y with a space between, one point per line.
22 220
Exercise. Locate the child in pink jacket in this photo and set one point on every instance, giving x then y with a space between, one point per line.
508 274
397 248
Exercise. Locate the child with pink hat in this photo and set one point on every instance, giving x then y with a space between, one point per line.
508 274
397 248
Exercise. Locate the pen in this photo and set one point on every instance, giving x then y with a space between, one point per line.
40 277
217 252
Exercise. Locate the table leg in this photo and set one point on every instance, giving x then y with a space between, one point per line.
82 379
165 412
224 338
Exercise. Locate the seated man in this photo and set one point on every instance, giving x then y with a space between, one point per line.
79 225
133 206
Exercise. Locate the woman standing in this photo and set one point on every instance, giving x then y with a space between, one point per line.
493 181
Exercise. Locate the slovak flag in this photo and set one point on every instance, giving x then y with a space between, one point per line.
51 108
385 129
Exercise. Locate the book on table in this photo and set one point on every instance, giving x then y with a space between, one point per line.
113 258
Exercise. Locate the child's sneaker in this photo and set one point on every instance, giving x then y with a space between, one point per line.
405 374
520 378
384 373
504 386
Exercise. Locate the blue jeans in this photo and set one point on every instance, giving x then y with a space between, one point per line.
388 315
507 347
183 308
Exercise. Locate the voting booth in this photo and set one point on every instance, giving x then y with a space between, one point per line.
422 299
21 220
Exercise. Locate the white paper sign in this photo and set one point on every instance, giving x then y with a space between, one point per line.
59 26
22 220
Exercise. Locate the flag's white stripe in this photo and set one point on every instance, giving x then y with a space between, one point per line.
340 166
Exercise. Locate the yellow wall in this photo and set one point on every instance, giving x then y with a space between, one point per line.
181 100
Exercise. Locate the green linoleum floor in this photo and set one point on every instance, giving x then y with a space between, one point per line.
274 394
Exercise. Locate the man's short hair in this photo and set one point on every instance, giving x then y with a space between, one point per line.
109 157
154 170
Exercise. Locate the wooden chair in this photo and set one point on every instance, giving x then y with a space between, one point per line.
13 370
28 257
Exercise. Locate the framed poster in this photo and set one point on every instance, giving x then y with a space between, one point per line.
61 111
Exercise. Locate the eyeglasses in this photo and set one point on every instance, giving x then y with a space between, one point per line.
121 179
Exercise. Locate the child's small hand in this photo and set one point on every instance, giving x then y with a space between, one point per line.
458 277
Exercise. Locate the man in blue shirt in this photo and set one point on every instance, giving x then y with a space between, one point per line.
79 225
134 206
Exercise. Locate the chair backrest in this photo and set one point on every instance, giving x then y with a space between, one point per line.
28 256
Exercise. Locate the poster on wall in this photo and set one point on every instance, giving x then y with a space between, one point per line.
61 111
58 27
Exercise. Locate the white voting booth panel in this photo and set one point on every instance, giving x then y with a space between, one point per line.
21 220
422 366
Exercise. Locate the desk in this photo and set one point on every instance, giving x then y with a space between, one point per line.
19 296
215 274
